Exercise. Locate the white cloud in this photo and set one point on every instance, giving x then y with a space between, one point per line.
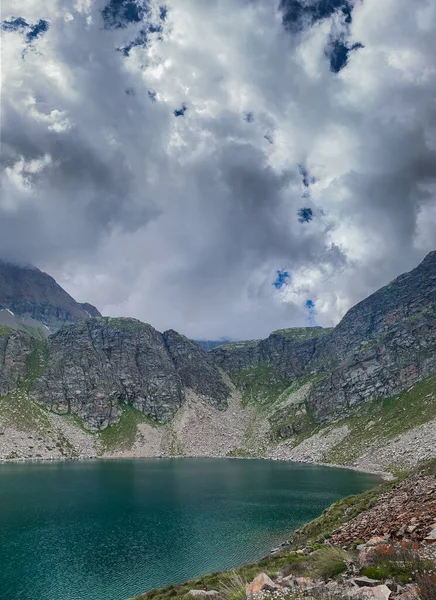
183 221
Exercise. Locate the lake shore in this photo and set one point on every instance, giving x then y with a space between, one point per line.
384 475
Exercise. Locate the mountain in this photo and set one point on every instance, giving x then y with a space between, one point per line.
361 394
95 367
207 345
383 345
36 302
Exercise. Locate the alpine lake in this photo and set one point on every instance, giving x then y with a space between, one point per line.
112 529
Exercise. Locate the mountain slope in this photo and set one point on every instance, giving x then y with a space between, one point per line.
382 345
29 294
361 394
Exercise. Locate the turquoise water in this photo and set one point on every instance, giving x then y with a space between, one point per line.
108 530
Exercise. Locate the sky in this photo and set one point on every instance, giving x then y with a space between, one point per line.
223 167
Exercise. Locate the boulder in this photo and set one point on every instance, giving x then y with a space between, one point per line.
259 584
380 592
431 537
363 581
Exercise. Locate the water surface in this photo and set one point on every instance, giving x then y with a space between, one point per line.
108 530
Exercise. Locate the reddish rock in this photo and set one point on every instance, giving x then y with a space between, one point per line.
259 584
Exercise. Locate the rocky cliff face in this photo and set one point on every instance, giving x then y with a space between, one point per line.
15 347
382 345
95 367
197 369
325 395
31 294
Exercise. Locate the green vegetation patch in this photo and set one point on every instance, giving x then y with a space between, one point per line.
19 412
300 334
122 435
5 330
123 323
290 421
383 419
259 385
36 364
320 529
325 563
239 345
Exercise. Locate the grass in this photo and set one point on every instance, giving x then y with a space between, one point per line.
401 562
224 580
258 384
320 529
36 363
329 563
239 345
122 435
300 334
383 419
5 330
19 412
123 323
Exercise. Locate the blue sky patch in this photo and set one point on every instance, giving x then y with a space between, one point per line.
311 313
120 13
304 175
37 30
163 12
299 13
180 112
15 24
282 279
141 39
338 54
305 215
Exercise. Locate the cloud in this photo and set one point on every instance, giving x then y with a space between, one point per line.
289 112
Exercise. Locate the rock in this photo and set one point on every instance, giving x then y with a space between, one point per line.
363 581
95 365
305 583
28 293
375 351
410 593
203 593
381 592
431 537
259 584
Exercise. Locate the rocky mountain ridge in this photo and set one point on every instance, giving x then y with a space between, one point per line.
30 294
346 395
382 345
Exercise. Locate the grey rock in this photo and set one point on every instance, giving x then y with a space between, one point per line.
29 293
203 593
15 347
97 365
363 581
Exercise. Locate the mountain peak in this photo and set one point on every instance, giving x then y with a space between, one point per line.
29 293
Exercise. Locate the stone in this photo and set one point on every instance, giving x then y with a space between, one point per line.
381 592
96 364
305 583
363 581
259 584
203 593
431 537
